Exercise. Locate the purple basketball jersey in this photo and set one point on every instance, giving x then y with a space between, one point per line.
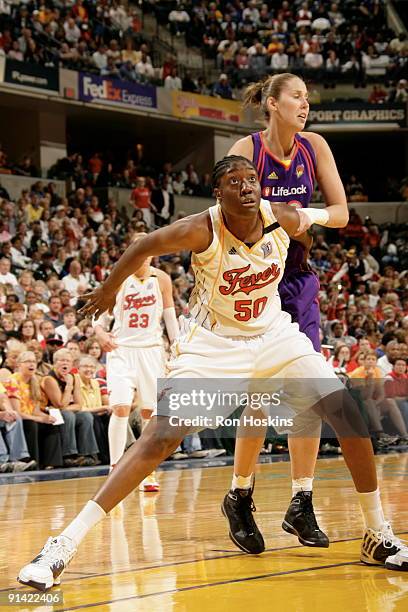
292 183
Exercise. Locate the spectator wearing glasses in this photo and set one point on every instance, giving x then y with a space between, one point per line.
14 455
95 403
63 392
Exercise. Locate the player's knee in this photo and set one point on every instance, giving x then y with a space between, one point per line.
121 410
146 413
159 437
341 411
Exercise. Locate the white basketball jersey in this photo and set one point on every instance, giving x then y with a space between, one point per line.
138 312
236 286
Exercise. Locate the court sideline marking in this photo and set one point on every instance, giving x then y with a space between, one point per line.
210 584
187 561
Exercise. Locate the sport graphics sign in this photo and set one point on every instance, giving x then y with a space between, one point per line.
93 88
31 75
357 113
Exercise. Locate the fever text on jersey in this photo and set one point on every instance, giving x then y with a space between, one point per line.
134 302
239 281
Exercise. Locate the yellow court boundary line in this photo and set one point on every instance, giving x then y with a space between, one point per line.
192 561
210 584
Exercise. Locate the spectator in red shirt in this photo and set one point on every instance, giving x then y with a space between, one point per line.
378 95
140 199
95 165
79 12
354 229
103 267
341 361
396 384
373 237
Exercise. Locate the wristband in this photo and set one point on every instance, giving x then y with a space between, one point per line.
172 326
316 215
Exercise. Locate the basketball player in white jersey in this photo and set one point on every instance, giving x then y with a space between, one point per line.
135 353
238 331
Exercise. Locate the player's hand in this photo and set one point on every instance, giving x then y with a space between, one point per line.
304 222
107 341
98 301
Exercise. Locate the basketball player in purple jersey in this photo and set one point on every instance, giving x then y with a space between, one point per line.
289 162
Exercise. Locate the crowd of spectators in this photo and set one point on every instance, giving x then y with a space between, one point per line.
159 185
320 40
53 249
363 275
153 188
107 170
104 38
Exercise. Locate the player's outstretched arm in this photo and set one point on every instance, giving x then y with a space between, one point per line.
191 234
329 182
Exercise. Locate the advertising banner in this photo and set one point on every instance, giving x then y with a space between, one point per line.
94 88
194 106
31 75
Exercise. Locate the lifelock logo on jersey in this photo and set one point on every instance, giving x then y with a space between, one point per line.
284 191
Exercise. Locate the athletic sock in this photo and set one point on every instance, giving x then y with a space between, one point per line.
241 482
371 508
301 484
89 516
117 434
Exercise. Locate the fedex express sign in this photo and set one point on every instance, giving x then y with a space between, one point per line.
94 88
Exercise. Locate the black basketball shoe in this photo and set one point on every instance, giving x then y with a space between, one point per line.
301 521
238 508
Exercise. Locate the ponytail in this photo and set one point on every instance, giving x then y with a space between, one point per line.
253 94
256 95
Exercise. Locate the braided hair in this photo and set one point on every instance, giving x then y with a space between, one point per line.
225 164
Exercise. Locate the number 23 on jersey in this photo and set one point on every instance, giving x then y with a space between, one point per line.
138 320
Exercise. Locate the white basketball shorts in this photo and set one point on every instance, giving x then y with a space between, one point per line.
134 369
284 355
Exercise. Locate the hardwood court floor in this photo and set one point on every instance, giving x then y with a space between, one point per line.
170 551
